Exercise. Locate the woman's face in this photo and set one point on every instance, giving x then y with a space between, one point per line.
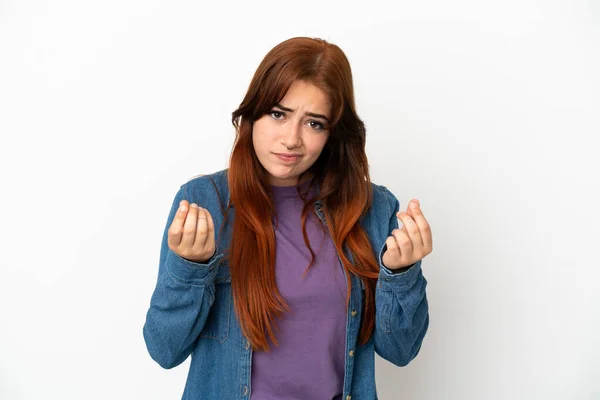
298 125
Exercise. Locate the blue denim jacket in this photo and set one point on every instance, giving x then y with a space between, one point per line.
191 309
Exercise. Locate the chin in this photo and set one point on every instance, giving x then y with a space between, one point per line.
283 173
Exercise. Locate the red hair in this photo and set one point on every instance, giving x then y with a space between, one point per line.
341 171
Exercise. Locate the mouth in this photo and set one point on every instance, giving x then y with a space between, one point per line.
289 158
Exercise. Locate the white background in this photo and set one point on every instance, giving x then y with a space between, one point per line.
486 111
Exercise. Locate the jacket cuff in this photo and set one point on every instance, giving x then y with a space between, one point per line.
397 281
191 272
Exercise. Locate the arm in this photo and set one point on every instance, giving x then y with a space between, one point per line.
181 300
402 311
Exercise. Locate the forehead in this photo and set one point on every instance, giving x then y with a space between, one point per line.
306 96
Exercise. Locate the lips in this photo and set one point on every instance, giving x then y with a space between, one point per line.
287 157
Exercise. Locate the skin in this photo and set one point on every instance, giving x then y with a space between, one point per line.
412 242
304 134
191 234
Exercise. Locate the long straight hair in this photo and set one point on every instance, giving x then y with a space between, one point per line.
341 172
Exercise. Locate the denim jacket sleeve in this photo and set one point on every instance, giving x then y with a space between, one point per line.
402 311
181 300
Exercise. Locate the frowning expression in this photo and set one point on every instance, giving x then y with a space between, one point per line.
290 137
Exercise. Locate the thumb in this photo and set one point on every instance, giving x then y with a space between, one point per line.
410 210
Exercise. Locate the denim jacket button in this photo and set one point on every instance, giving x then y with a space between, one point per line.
348 397
245 390
351 353
354 312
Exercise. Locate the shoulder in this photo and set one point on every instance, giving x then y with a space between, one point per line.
203 178
384 200
206 188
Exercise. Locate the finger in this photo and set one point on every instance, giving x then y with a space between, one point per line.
412 229
189 227
401 225
424 228
411 210
176 228
201 229
392 248
404 243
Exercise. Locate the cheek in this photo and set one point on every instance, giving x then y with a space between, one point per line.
263 134
255 142
259 138
316 146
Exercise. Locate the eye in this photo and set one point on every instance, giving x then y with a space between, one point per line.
273 112
318 125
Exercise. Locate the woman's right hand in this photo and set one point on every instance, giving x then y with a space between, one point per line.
192 233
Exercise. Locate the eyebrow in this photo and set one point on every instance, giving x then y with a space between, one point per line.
308 113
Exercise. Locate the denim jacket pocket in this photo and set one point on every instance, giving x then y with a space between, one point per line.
217 323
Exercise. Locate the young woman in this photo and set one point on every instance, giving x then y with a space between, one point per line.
307 275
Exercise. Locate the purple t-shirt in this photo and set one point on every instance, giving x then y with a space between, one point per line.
309 361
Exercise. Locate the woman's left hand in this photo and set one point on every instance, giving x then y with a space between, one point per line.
410 243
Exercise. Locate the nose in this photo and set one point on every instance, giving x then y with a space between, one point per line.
292 136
